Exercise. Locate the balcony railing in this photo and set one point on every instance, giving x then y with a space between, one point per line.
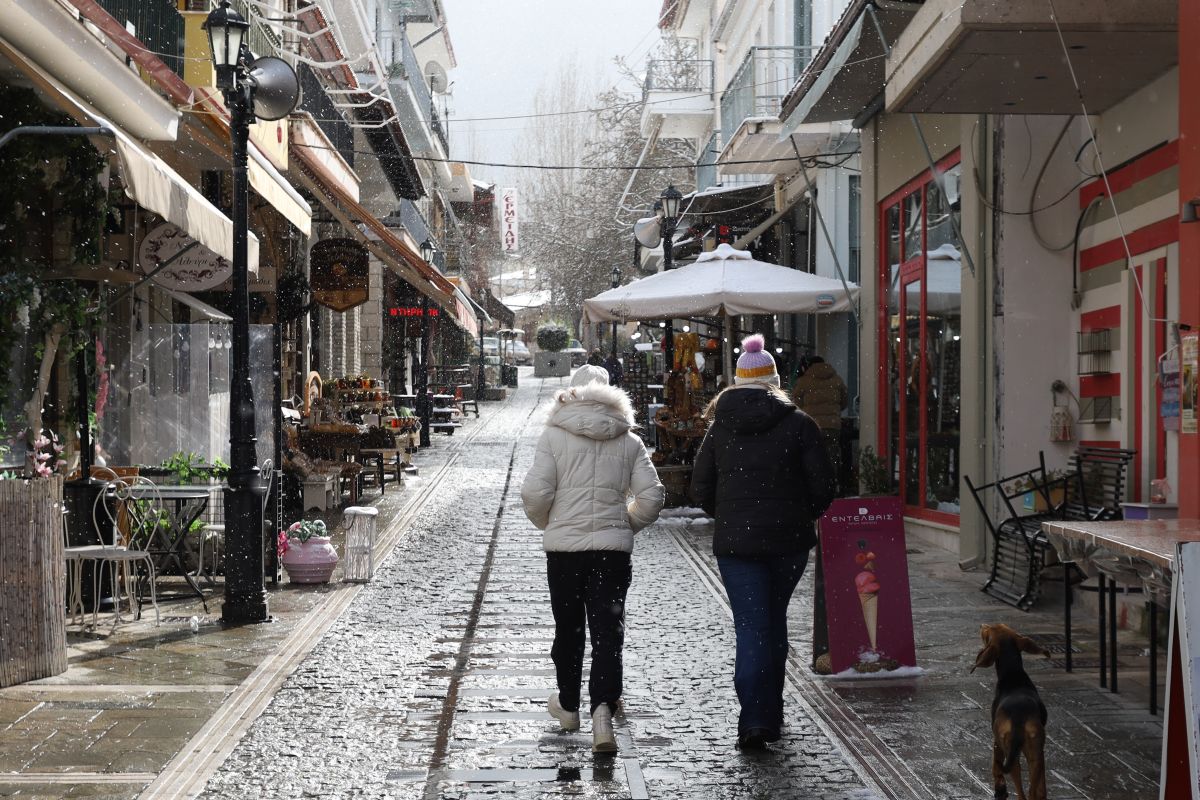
706 176
416 79
156 23
760 83
678 75
327 116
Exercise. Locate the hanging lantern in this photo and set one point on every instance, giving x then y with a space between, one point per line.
711 345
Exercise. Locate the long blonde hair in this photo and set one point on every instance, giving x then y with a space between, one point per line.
710 410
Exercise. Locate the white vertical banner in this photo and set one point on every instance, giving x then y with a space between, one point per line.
508 220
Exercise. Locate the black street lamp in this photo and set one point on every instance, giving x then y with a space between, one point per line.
240 80
670 199
428 251
616 281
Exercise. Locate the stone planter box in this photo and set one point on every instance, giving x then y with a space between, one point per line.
33 581
551 365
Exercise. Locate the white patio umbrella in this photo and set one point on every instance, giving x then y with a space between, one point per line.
723 282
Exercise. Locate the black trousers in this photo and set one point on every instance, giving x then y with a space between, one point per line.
589 587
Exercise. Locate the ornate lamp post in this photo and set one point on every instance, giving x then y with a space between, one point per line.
616 281
278 88
670 199
423 410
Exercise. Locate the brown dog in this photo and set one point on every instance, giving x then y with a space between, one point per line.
1018 715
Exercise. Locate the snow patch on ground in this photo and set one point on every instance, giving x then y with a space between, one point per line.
852 674
683 511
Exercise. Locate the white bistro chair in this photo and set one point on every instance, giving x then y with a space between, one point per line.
141 513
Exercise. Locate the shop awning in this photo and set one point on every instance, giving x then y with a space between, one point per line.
467 316
149 181
265 179
200 307
847 73
275 189
381 241
53 38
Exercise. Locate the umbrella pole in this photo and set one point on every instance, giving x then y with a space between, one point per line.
726 348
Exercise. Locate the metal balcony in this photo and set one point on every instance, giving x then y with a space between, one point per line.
758 86
156 23
423 123
678 95
750 108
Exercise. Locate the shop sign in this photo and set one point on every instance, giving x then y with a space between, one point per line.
1188 409
824 300
339 273
867 601
1168 409
195 271
410 311
508 220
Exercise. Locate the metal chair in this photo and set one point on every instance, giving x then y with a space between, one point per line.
127 520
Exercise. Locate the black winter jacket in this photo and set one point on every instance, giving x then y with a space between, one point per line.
762 472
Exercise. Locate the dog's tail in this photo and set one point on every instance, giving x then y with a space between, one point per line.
1015 742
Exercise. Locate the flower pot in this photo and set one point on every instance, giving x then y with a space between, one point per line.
310 562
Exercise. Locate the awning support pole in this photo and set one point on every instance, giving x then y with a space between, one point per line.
726 347
837 262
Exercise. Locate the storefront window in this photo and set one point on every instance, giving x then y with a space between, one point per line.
921 265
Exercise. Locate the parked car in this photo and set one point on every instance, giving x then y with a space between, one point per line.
521 354
491 346
577 352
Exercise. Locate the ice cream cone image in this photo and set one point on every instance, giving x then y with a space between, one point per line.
867 586
870 609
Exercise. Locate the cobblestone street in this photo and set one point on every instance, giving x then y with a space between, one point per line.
431 680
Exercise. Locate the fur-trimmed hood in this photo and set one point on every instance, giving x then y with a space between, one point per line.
593 410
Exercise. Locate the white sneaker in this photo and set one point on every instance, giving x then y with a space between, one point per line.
603 738
568 719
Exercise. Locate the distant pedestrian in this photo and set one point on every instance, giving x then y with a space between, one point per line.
762 473
590 488
821 393
596 358
616 373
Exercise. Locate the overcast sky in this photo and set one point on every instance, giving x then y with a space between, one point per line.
504 48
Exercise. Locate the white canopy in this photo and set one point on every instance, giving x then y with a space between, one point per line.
723 280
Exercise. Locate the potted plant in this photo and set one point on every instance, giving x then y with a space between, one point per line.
550 362
874 478
306 552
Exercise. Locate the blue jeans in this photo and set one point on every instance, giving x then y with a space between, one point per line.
759 591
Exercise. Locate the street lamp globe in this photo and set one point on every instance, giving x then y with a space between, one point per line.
427 250
616 277
670 202
226 33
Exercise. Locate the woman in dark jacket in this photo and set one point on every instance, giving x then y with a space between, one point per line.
762 473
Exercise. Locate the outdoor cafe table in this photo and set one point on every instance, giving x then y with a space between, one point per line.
1139 552
166 542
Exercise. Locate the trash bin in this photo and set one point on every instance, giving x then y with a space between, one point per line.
360 543
510 375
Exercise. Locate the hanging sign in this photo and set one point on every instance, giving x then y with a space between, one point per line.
1168 409
508 220
867 602
1188 384
195 271
339 273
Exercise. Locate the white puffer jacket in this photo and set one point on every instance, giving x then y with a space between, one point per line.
588 464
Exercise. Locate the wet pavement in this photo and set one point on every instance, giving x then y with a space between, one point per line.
431 681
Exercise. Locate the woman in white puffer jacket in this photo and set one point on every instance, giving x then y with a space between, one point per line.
591 487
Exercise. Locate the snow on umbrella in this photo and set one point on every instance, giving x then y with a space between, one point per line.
723 280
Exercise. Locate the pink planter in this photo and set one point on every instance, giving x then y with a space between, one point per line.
310 562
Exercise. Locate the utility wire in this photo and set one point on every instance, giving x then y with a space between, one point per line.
817 161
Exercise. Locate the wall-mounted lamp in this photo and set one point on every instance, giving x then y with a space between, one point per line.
1188 212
